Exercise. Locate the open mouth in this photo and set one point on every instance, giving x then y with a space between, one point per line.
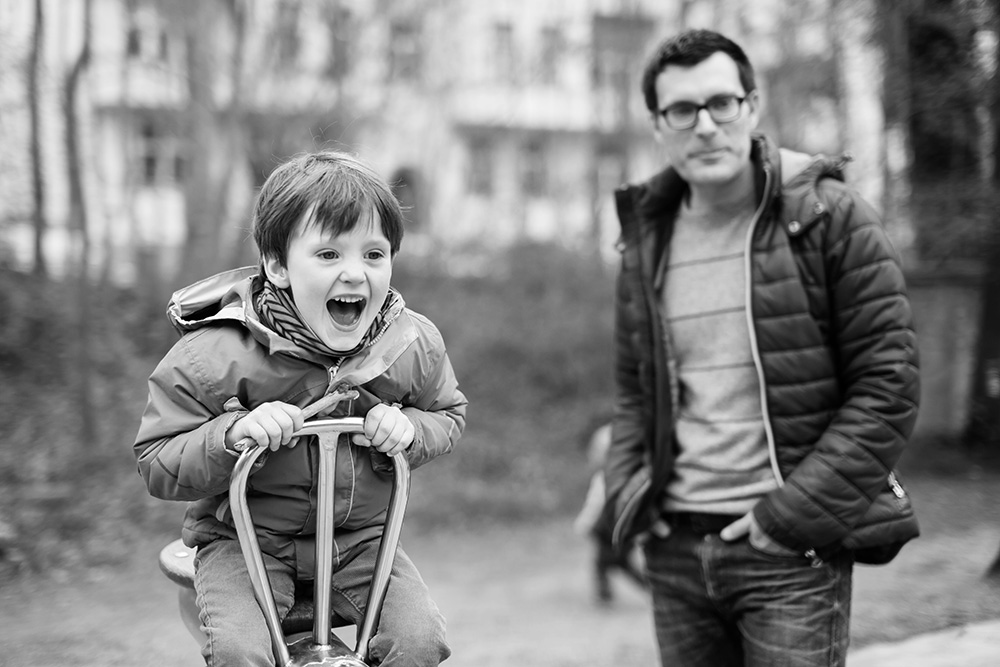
346 310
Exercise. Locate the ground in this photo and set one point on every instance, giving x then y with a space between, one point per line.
516 595
513 594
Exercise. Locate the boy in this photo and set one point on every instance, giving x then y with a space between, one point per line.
257 345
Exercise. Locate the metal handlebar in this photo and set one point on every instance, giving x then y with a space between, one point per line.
321 648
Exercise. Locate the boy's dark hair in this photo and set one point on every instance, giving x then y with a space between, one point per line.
340 189
687 49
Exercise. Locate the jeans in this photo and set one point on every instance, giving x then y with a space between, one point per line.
720 604
411 631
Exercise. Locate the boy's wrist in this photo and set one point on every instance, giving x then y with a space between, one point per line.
230 440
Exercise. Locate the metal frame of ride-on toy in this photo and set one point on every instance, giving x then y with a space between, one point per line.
292 646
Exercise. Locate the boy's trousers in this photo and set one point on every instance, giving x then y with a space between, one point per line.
411 631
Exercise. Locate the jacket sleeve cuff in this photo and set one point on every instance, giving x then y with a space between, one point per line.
777 529
234 412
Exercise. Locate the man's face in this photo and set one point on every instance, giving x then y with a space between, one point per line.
338 282
710 153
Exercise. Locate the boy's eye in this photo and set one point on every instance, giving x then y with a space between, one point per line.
375 254
328 254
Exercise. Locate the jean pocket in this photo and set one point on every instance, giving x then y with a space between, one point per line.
771 549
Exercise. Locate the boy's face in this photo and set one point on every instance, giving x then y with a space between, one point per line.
338 282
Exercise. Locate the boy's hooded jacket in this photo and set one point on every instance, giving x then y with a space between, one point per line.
227 363
833 342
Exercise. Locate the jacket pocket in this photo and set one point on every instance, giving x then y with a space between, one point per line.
629 518
888 525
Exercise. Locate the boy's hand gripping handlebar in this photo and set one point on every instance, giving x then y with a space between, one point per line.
324 648
327 402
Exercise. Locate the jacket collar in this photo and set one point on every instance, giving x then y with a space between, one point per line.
801 204
662 194
227 297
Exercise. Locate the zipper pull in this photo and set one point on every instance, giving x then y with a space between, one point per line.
814 558
896 487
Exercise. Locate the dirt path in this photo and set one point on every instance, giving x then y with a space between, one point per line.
511 597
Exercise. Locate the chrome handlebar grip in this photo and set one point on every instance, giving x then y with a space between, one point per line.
329 432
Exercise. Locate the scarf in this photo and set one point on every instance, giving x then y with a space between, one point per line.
277 310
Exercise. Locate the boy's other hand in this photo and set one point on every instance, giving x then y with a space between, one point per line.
387 429
269 425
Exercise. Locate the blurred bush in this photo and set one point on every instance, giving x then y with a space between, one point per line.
956 219
530 342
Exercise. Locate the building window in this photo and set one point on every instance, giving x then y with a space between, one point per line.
535 170
133 43
551 54
480 171
286 32
404 51
404 186
340 26
503 52
159 158
164 47
612 87
148 154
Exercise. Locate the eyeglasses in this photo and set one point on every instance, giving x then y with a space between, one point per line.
721 108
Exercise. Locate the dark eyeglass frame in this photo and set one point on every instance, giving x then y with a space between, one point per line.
664 113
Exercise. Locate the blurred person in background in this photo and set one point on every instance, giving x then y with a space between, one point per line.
589 522
766 376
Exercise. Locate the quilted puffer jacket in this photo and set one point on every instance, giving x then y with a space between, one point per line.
834 346
227 363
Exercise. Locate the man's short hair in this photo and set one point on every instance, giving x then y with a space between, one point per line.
687 49
338 190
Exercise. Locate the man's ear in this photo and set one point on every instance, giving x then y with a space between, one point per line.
657 128
276 272
753 103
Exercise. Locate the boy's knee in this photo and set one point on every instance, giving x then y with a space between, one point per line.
420 643
226 649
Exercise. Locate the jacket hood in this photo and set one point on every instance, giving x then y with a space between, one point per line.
801 178
222 297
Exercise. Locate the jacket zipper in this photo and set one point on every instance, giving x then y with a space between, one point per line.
333 385
758 364
814 558
897 488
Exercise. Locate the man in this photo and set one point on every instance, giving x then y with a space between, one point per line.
766 372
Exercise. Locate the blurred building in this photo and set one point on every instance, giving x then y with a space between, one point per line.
498 122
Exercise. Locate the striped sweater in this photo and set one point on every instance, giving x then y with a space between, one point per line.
722 463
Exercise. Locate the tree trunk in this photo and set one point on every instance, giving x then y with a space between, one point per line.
983 428
213 128
34 107
985 412
78 224
898 95
201 193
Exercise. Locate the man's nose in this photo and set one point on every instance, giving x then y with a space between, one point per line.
704 123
